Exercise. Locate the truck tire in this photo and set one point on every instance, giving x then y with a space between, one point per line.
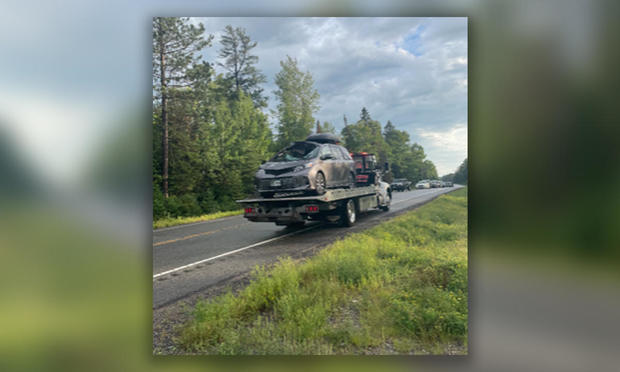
386 207
349 213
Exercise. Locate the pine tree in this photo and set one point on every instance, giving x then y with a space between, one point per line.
365 116
175 45
242 74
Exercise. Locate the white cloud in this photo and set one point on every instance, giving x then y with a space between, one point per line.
443 146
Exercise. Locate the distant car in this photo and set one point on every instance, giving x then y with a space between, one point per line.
401 184
424 184
448 184
313 166
435 183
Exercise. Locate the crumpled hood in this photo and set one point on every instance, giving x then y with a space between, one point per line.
278 165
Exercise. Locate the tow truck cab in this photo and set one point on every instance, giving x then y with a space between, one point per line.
365 168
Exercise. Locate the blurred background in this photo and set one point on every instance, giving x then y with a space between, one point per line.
75 192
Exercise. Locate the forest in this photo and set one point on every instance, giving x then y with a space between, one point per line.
212 127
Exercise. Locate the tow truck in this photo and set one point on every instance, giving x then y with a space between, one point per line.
341 205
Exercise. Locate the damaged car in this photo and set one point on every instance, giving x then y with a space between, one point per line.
310 166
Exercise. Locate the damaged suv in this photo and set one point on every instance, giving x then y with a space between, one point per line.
313 166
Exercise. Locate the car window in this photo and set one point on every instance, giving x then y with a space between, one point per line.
336 151
326 150
345 153
298 151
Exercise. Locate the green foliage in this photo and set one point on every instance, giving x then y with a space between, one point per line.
460 176
402 283
159 204
448 177
365 135
217 133
327 127
298 101
406 160
175 41
173 221
242 75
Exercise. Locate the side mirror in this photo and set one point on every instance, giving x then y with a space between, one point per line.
263 162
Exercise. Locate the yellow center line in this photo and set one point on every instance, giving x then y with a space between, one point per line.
198 234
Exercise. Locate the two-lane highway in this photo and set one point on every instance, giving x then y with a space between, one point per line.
192 257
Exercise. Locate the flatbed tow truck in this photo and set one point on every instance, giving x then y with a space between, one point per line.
335 205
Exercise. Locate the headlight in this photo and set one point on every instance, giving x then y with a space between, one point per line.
299 168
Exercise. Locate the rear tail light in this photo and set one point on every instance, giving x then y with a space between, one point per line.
312 208
249 210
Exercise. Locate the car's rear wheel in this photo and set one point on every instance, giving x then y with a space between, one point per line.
349 214
319 183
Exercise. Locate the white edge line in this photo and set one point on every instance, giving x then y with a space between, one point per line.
235 251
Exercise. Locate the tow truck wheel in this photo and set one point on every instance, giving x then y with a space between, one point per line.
388 201
349 215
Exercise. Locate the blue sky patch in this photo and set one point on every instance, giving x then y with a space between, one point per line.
412 42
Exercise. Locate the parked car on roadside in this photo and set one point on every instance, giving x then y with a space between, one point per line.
313 166
401 184
424 184
435 183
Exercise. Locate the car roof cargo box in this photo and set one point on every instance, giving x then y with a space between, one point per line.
323 138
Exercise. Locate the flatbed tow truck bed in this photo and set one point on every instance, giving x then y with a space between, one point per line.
341 204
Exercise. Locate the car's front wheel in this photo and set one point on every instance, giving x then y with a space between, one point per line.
319 183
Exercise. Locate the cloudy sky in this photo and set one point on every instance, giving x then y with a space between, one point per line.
411 71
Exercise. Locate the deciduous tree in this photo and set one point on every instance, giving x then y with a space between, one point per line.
297 102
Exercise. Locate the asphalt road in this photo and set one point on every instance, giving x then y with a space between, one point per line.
190 258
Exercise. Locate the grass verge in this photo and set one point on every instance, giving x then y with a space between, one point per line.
398 288
166 222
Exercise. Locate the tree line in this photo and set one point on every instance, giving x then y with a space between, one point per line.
210 131
459 176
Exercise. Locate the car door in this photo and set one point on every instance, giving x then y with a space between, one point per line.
347 164
337 165
328 166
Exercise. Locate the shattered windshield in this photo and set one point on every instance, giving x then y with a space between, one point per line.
298 151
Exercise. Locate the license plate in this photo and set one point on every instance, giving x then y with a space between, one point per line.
276 183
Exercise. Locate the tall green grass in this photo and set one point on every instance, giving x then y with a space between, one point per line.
400 287
173 221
